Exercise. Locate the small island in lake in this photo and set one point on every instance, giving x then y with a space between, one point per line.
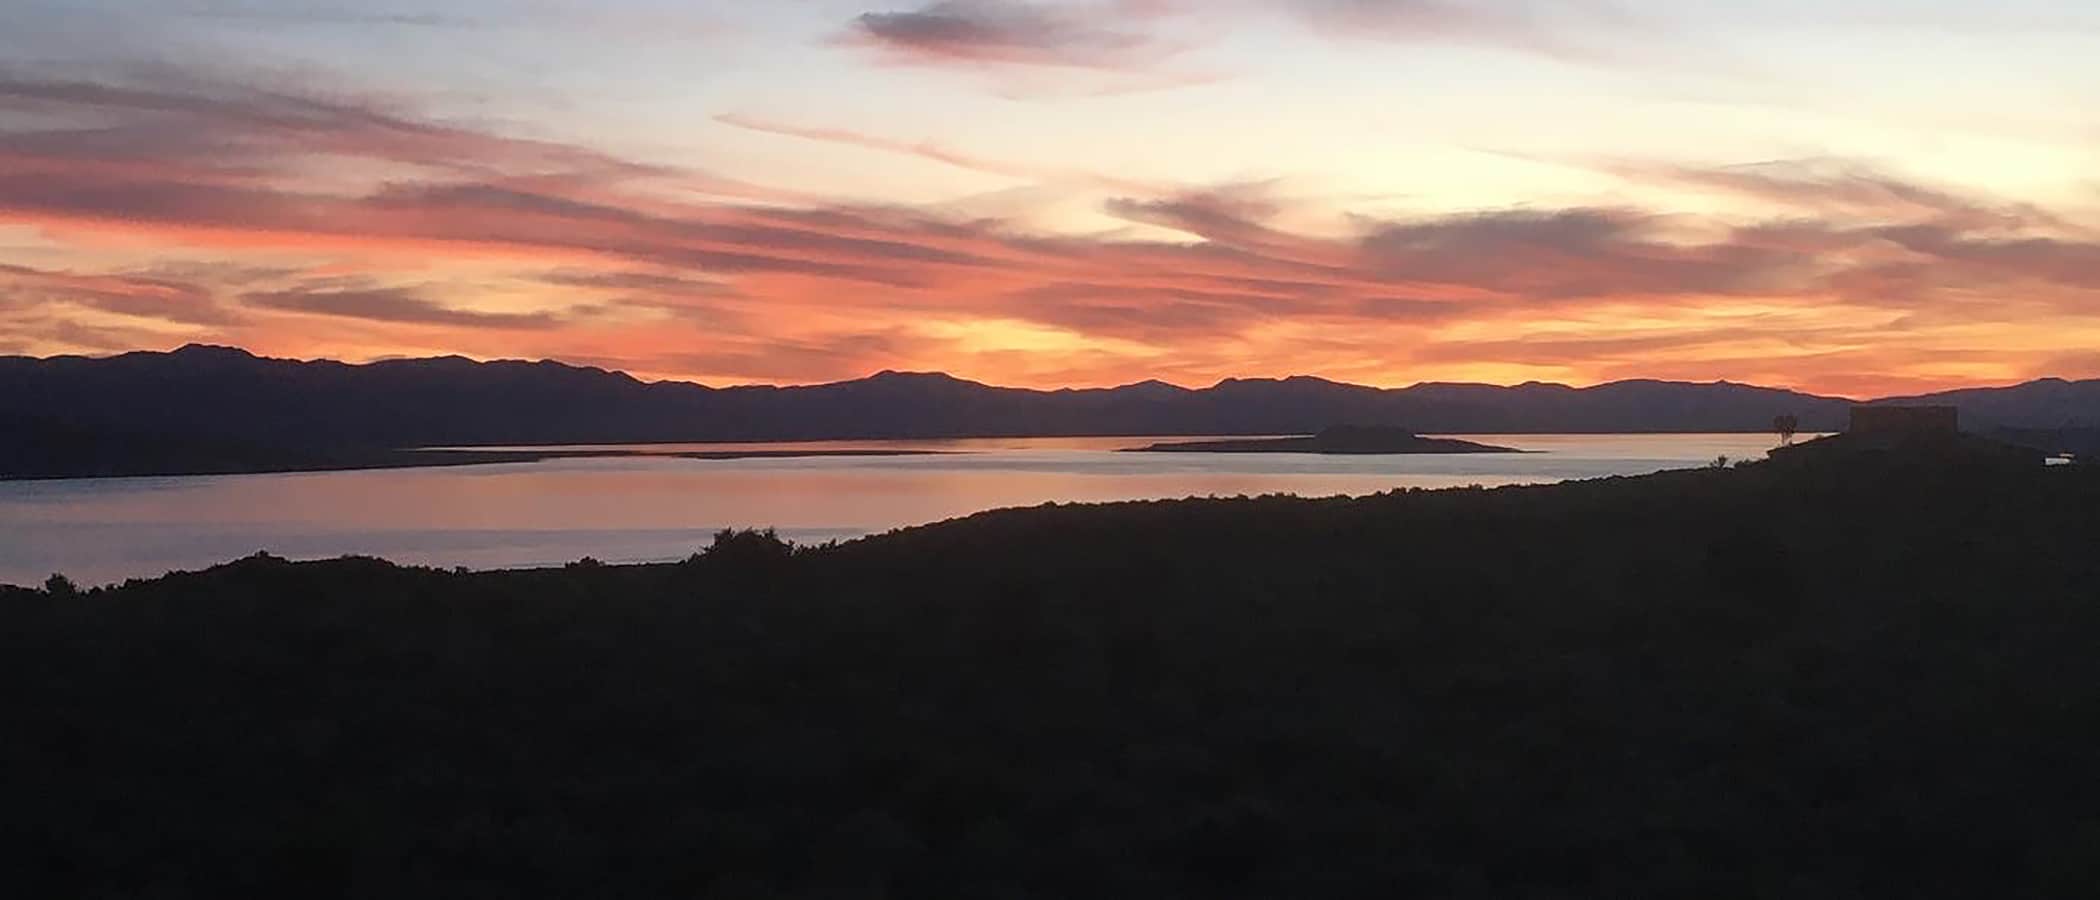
1339 439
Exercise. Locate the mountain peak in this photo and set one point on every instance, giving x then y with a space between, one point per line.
210 351
1295 381
903 377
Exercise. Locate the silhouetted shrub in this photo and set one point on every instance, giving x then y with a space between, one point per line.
748 547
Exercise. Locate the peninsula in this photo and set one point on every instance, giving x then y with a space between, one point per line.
1337 439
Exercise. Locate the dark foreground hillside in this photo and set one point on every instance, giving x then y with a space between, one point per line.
1828 681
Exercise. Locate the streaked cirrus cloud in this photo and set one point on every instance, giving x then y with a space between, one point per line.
368 228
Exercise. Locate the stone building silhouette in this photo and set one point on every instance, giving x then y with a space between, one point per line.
1884 436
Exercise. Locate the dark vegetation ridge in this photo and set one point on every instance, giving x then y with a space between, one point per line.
1820 676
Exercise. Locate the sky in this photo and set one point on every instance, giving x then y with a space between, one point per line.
1857 197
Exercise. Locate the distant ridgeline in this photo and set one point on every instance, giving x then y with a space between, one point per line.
221 409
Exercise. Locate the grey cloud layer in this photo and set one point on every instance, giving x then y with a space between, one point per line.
976 32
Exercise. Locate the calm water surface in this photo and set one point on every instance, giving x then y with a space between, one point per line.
642 509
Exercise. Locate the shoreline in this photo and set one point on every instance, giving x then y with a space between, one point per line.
445 459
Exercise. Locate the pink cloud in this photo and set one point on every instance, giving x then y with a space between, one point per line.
698 283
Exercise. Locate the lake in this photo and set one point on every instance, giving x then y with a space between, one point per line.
642 508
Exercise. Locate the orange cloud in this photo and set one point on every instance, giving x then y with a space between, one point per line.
461 240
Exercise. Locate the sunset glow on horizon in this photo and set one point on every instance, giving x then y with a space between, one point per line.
1864 197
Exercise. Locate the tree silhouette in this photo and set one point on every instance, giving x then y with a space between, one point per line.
1786 426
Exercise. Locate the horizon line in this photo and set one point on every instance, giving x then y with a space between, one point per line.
935 373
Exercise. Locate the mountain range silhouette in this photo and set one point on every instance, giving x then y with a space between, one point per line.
206 403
